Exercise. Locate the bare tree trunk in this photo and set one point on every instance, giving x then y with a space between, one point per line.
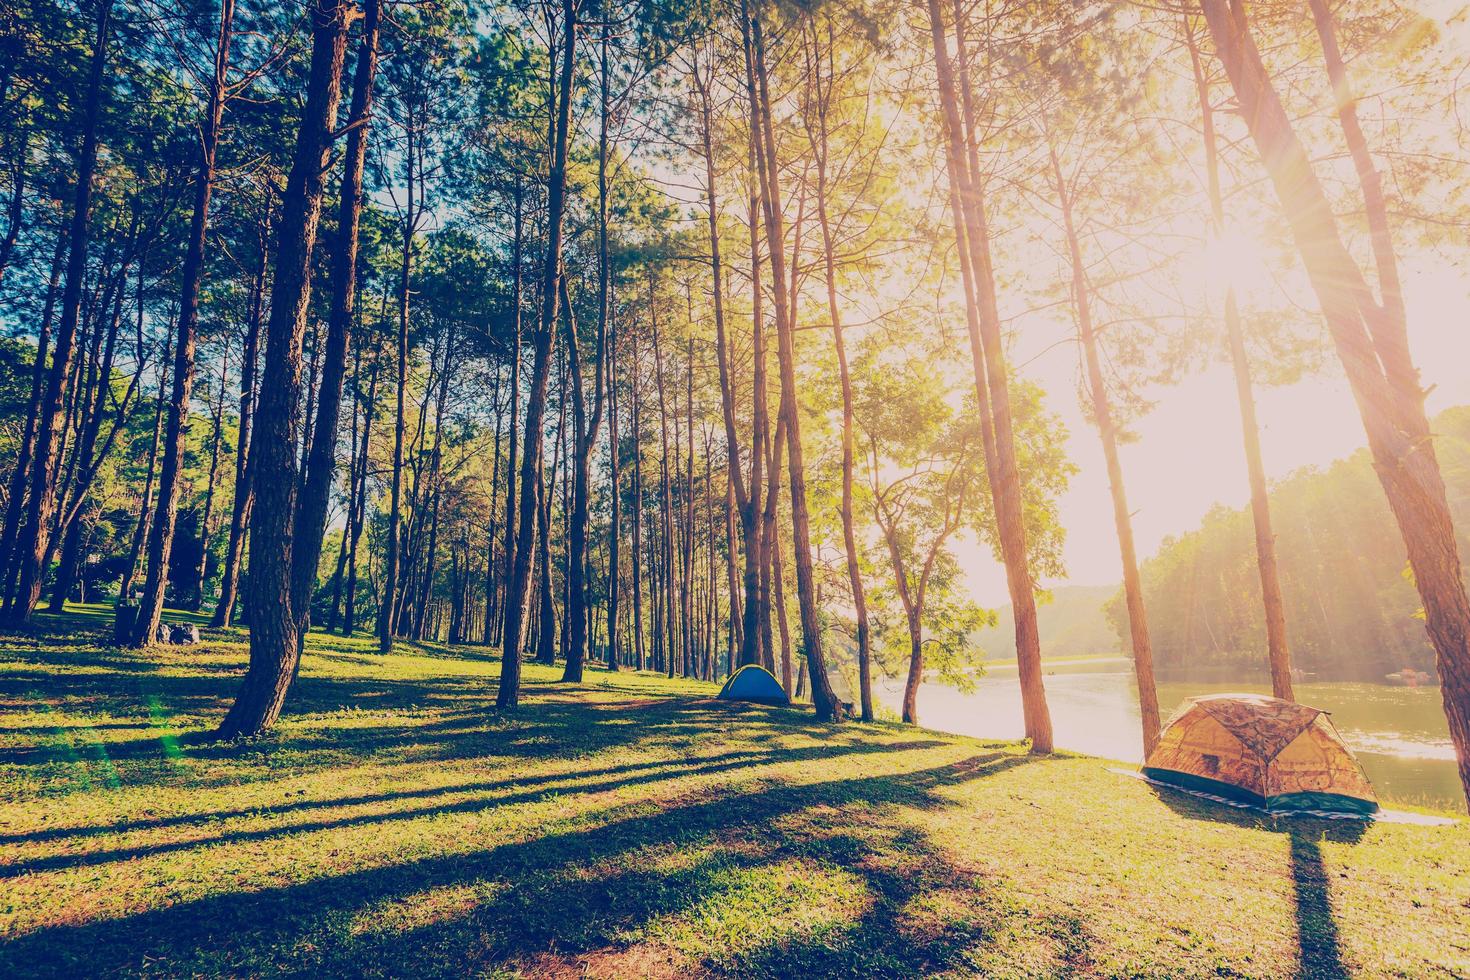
1102 414
274 644
145 508
585 430
849 535
823 699
240 511
508 694
640 661
511 473
32 542
546 614
388 610
15 498
370 411
778 586
1372 343
992 388
170 474
321 458
615 529
202 571
1279 656
435 469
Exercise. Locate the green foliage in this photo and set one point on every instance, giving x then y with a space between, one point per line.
1350 612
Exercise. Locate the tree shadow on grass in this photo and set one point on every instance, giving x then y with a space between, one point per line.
434 802
1319 945
580 886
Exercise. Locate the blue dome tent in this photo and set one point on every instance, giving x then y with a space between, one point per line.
754 683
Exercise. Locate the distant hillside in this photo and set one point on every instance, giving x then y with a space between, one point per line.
1351 609
1072 624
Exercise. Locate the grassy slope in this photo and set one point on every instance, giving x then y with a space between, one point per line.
397 826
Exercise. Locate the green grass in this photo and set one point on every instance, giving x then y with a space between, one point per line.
395 825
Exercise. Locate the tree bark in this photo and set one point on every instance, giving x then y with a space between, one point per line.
1372 343
992 390
16 494
1278 650
195 590
170 474
274 644
508 694
511 473
369 412
32 541
849 535
824 700
1102 413
321 461
241 507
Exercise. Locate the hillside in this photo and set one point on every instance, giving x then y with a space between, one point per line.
396 825
1072 624
1351 609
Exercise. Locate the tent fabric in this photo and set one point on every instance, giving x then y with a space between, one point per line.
1261 749
754 683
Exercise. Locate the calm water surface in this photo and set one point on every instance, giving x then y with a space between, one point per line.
1399 734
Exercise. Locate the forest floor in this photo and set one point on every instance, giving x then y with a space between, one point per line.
395 825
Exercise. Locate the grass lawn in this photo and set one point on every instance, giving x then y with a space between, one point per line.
395 825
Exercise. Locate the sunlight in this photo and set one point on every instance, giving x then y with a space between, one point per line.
1233 260
496 488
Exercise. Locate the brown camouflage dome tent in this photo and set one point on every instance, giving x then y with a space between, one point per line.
1261 750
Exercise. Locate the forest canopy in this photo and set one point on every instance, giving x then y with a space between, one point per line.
682 336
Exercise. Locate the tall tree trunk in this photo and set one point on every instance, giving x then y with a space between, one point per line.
241 507
992 387
778 587
32 541
349 531
585 430
202 571
757 623
391 572
615 519
171 471
1278 650
511 473
321 459
546 612
665 509
1102 414
435 470
145 508
824 700
16 492
1372 342
369 412
274 644
638 649
849 534
508 694
91 408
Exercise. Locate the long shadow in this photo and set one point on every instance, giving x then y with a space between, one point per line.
1319 945
703 764
466 727
433 809
577 889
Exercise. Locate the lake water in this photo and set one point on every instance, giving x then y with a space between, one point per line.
1399 734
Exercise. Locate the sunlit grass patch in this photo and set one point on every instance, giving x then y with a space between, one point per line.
396 824
749 908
